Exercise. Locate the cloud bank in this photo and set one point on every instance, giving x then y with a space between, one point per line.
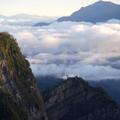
91 51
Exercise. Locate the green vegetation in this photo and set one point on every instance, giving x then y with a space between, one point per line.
17 80
9 110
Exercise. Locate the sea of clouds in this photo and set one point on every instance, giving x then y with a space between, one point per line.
91 51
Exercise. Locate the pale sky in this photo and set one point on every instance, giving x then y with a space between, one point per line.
44 7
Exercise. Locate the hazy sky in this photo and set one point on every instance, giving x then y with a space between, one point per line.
43 7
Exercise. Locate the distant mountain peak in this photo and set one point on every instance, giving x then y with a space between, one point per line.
103 2
100 11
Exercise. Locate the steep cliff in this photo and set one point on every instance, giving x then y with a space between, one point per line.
19 97
75 99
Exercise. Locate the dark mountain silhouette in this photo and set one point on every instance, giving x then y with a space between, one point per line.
112 86
75 99
41 24
47 82
100 11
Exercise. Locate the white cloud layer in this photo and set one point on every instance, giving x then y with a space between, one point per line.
89 50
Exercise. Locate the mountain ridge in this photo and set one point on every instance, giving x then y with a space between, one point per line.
100 11
75 99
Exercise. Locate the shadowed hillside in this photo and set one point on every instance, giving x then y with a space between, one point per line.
75 99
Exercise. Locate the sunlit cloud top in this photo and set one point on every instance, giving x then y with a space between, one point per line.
44 7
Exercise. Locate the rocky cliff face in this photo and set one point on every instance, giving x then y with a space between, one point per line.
19 96
75 99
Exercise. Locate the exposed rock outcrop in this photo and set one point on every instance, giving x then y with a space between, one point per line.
75 99
19 97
